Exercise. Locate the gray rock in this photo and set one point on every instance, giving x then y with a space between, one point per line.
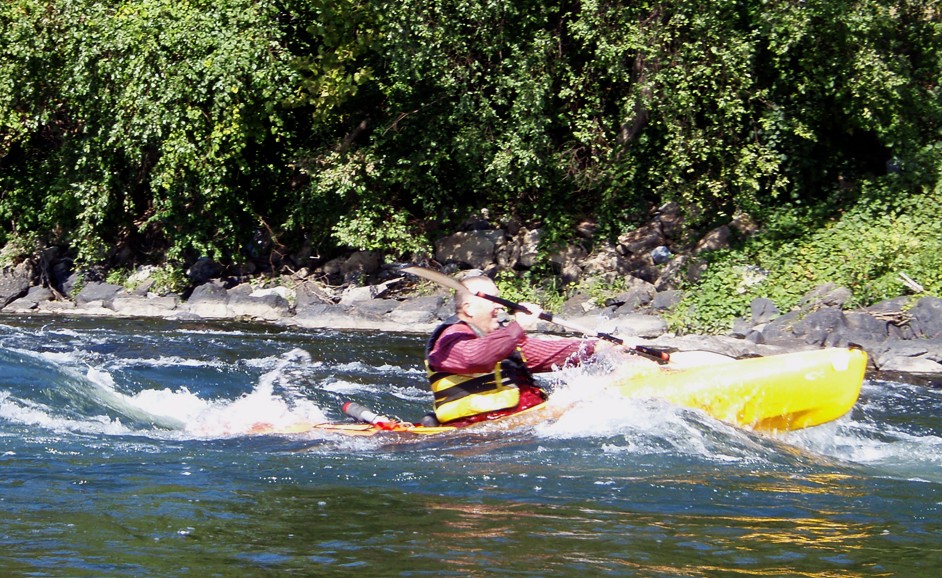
666 300
266 306
354 295
827 295
97 293
927 318
476 249
15 282
34 296
209 300
818 325
763 310
861 327
203 270
145 306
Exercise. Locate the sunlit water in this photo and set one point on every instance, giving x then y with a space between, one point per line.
125 451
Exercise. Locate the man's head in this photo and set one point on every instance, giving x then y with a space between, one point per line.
479 312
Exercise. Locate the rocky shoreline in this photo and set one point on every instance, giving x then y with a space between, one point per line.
902 336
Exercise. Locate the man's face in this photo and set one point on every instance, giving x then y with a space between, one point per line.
481 313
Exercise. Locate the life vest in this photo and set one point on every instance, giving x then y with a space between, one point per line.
465 395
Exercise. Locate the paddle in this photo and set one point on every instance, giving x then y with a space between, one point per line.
446 281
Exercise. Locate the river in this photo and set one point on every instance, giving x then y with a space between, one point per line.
125 450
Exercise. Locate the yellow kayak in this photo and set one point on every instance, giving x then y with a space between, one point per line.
775 393
771 394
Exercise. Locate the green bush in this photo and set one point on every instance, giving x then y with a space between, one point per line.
864 248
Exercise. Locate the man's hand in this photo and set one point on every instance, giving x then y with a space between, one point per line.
528 321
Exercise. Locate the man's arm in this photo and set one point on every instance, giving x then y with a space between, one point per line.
460 350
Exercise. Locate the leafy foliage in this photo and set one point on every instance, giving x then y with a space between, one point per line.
179 129
865 250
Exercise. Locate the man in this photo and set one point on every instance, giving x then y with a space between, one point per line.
480 370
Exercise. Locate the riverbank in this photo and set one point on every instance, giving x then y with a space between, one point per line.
901 336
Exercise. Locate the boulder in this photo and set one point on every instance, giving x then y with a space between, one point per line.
98 294
475 249
716 239
34 296
323 315
927 318
816 327
567 263
635 325
421 310
522 251
667 300
360 264
15 282
864 328
827 295
354 295
209 300
763 310
373 308
264 305
134 305
642 240
203 270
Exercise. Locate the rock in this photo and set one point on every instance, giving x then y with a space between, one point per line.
666 300
209 300
265 305
354 295
567 263
601 262
818 326
669 219
203 270
420 310
907 356
661 254
635 325
15 282
523 251
864 328
642 240
672 275
476 249
827 295
310 293
911 365
360 264
145 306
374 308
578 305
716 239
927 318
94 293
323 315
780 329
34 296
763 310
638 295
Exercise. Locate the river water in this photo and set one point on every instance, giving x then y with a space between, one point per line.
125 450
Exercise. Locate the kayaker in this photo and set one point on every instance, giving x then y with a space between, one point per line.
480 368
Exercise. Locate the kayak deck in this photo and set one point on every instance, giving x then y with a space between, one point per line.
776 393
